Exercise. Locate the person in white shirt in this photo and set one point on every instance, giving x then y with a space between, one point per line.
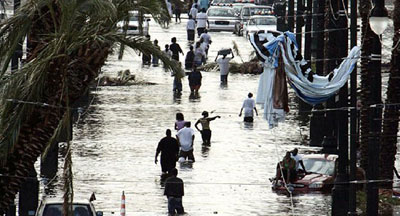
223 63
193 12
185 137
202 20
190 28
168 51
299 160
206 39
248 105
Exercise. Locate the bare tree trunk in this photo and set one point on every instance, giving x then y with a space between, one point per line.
391 113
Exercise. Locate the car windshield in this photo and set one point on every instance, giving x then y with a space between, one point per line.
221 12
263 21
56 210
133 18
325 167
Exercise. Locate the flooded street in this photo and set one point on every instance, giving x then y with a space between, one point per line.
114 143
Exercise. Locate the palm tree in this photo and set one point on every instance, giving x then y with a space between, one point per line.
366 38
388 146
68 41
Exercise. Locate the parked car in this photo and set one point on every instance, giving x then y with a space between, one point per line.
54 207
321 170
259 23
133 24
221 19
238 7
248 11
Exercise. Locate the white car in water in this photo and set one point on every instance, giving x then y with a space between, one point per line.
133 24
54 207
259 23
221 19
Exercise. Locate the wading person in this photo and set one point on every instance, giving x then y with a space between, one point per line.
167 51
195 78
206 40
199 54
223 64
205 127
189 59
185 137
177 85
174 190
193 11
175 49
202 20
155 60
180 121
177 13
146 58
169 148
190 29
248 105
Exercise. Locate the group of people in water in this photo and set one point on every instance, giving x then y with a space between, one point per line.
180 149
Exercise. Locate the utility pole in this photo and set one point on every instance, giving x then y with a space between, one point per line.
353 115
375 111
340 191
280 11
291 15
18 51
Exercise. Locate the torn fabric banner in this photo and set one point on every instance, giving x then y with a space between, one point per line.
279 52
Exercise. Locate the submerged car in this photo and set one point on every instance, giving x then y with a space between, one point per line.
259 23
54 207
221 19
321 170
133 24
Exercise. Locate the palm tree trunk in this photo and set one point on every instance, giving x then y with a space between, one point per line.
366 38
75 73
391 113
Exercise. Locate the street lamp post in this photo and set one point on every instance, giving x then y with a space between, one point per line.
378 21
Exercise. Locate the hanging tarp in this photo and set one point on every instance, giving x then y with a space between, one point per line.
277 51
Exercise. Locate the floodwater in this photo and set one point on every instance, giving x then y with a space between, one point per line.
115 141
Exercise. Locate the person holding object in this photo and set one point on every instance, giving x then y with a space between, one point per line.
205 127
223 63
169 148
174 190
248 105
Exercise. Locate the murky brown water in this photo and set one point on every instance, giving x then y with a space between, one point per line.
114 144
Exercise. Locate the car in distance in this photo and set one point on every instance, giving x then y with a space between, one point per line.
223 3
54 207
320 176
221 19
133 24
259 23
249 10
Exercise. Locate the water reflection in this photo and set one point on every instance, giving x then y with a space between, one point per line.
194 96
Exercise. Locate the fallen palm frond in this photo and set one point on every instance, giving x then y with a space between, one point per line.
251 67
